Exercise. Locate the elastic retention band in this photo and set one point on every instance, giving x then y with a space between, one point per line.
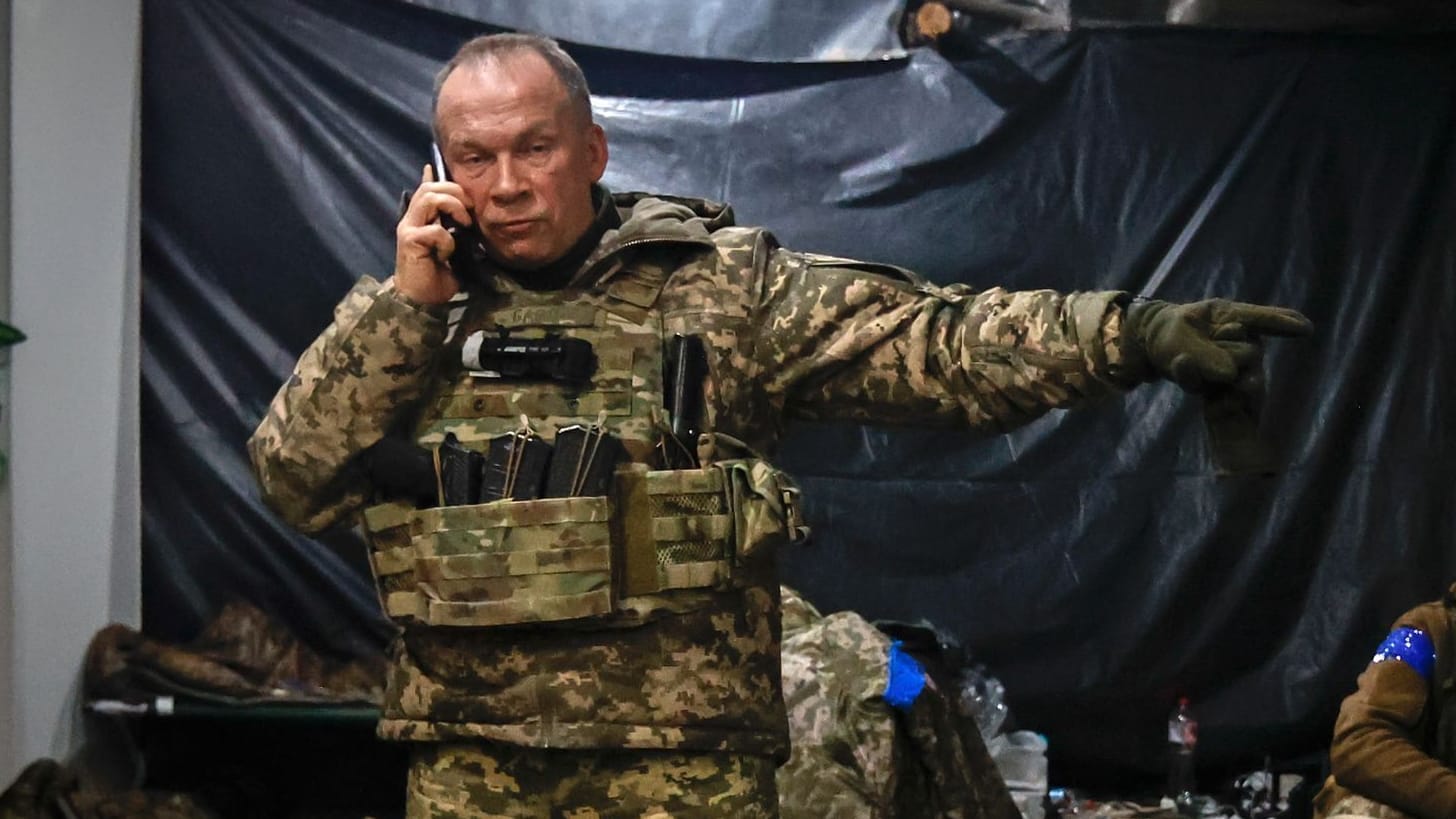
439 479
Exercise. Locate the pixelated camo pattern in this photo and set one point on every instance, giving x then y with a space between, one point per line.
706 679
855 756
788 335
345 392
473 781
843 764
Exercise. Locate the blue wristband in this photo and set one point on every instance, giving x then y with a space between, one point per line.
907 678
1410 646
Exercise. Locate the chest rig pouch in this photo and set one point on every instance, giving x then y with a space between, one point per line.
509 562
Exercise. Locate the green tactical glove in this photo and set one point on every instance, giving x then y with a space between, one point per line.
1202 345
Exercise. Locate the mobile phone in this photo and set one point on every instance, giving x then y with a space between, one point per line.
469 242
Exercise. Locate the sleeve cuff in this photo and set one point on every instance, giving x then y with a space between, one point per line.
434 311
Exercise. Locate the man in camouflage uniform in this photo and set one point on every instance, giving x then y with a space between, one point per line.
566 690
1394 750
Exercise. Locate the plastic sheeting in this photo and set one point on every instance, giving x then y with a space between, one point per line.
1092 560
754 30
1285 15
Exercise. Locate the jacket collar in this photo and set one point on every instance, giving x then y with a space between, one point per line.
641 221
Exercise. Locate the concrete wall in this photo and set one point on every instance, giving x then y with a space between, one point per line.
74 556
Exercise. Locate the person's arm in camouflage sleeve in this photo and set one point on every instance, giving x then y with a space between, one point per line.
349 387
840 340
363 373
1379 748
845 340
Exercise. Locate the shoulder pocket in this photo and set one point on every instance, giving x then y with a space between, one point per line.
888 271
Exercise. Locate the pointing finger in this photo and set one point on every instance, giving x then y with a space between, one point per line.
1265 320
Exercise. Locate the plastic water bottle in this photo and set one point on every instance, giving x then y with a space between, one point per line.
1182 738
983 697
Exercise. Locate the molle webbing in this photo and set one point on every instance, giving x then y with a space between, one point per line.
392 557
512 562
676 530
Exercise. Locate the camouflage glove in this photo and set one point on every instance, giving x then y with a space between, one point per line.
1202 345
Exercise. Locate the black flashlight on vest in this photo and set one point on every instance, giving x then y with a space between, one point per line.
564 360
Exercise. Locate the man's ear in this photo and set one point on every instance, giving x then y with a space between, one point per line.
596 147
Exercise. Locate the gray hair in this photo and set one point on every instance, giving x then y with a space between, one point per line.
492 47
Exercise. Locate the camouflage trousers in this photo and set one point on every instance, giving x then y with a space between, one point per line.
1358 807
493 781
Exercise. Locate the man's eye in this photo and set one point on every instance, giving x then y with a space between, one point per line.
472 165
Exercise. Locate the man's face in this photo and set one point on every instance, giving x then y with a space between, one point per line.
525 158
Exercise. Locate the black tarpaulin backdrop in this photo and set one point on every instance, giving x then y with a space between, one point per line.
1092 560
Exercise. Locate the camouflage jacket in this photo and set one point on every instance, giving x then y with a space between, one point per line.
789 336
856 757
844 763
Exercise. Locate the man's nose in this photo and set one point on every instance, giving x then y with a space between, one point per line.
509 181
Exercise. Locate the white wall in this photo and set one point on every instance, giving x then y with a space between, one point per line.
75 503
6 618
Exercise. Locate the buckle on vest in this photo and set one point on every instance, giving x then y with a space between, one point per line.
793 518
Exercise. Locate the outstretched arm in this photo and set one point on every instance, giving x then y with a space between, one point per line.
851 341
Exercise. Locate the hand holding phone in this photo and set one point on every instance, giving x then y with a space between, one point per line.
431 261
463 261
